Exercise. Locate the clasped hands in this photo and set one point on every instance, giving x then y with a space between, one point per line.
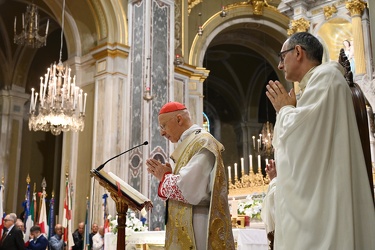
157 169
279 97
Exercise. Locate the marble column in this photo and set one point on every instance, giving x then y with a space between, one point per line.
12 109
112 122
356 8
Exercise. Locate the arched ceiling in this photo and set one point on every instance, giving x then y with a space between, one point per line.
17 60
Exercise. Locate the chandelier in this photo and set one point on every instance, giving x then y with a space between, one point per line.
29 35
62 103
263 145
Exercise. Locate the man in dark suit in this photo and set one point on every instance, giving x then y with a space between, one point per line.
37 240
12 238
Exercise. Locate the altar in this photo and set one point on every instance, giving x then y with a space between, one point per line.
253 238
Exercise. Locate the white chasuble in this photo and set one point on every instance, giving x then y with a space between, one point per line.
323 198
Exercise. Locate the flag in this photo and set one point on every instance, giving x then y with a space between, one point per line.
1 210
28 217
67 217
87 226
105 214
51 217
43 215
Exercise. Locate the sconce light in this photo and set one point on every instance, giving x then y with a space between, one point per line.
223 12
178 60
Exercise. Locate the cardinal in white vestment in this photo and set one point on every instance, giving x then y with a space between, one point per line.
196 189
323 198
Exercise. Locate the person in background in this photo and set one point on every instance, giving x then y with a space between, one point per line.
197 185
98 239
94 230
12 238
56 242
21 226
268 207
323 198
37 240
78 237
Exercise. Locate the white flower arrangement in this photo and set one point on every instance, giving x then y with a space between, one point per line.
251 206
133 224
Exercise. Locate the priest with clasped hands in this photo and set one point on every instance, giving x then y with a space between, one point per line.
323 198
195 188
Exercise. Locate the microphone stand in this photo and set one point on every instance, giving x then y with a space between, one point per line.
102 166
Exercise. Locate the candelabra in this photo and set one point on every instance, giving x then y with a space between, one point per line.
29 35
248 183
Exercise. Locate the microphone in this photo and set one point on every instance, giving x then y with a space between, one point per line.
102 166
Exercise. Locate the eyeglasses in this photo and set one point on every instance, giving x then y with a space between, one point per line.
282 54
162 127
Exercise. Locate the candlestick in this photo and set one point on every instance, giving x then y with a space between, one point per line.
242 166
235 171
229 175
234 208
258 163
251 163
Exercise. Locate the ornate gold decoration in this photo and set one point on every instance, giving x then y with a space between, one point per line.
258 6
329 11
251 183
300 25
192 4
356 7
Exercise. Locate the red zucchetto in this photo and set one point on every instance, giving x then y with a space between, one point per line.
171 107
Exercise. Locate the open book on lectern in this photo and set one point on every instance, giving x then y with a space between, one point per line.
115 183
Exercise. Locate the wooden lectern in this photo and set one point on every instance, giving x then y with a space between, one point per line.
124 196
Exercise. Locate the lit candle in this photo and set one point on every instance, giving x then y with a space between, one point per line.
36 21
15 24
258 144
234 208
266 161
41 86
36 98
80 101
251 163
229 175
242 166
258 163
23 21
32 99
84 104
47 26
254 142
235 171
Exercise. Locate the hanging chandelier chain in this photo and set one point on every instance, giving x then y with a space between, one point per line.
62 30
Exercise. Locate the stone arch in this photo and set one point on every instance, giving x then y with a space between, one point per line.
271 33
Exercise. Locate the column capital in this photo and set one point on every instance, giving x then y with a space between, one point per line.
355 7
300 25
